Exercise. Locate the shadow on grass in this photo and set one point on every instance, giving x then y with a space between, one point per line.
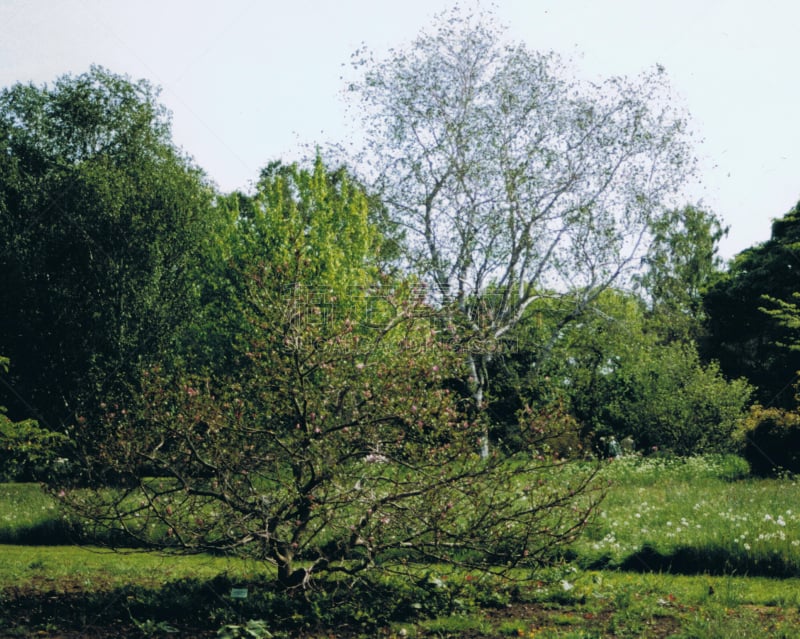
50 532
63 532
687 560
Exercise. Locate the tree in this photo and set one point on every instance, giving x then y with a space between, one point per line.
338 447
507 177
100 220
315 222
746 341
680 264
771 435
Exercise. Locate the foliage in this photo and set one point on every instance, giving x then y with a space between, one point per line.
787 313
672 402
746 342
510 179
315 223
26 451
255 628
100 217
618 377
336 446
771 435
771 440
681 263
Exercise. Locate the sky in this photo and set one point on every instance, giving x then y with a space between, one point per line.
251 81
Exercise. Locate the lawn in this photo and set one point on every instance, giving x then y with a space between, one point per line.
680 548
695 515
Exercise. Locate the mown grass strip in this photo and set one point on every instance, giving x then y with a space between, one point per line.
65 568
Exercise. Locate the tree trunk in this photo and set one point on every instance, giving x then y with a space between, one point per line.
477 383
289 578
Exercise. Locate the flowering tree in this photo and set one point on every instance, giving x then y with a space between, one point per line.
338 444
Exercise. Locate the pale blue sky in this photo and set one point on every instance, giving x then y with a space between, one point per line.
249 81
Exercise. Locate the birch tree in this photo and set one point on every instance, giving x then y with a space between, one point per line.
510 180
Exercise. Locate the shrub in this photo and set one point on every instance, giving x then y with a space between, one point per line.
26 450
669 401
771 440
337 450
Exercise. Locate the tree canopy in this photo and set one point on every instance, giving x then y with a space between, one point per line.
681 263
512 181
100 217
312 225
745 340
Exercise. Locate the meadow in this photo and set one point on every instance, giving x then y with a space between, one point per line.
680 548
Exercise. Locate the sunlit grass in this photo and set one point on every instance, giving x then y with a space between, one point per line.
698 513
23 508
49 567
706 507
702 514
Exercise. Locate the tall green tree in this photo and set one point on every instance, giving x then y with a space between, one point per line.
682 261
313 224
746 341
511 179
100 220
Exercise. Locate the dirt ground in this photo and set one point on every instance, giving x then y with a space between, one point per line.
50 615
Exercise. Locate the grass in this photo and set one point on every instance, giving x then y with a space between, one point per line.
681 548
694 516
28 515
60 568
